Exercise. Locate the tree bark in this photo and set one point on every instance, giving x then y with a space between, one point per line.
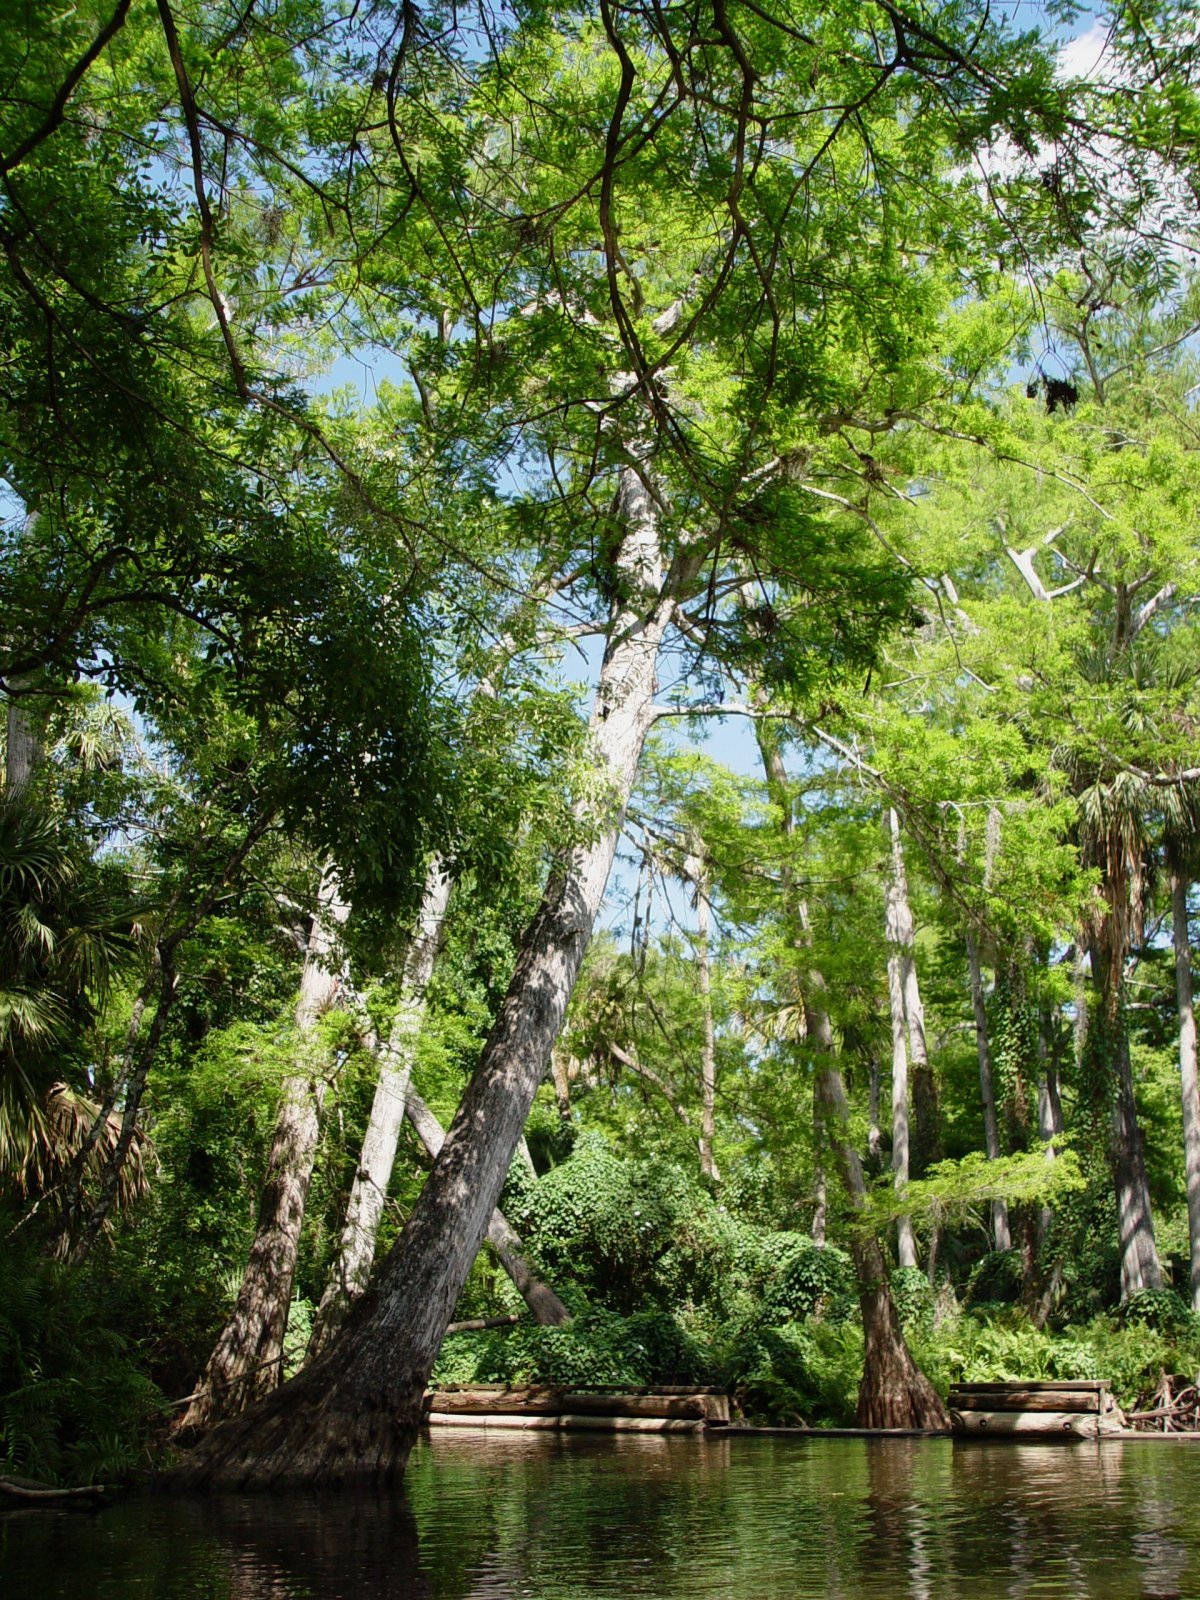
247 1359
906 1244
1189 1085
354 1412
350 1271
547 1309
1140 1267
987 1091
1110 1078
927 1143
894 1392
708 1049
22 743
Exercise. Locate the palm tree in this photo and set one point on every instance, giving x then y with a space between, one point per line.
63 939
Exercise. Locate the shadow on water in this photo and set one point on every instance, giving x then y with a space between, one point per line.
526 1516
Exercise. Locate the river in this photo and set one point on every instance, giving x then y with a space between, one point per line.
530 1517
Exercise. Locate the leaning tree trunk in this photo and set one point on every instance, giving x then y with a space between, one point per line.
1189 1086
547 1309
247 1359
354 1412
350 1271
987 1091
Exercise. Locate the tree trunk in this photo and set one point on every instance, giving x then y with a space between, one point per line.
906 1244
927 1143
894 1392
354 1412
1189 1086
991 1131
1110 1072
708 1050
547 1309
350 1271
247 1360
22 743
820 1219
562 1084
138 1070
1140 1268
874 1131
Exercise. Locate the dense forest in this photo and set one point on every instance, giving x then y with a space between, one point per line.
598 632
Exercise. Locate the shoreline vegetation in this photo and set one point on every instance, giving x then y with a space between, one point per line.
599 689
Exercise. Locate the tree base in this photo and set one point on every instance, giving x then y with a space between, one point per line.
313 1433
894 1392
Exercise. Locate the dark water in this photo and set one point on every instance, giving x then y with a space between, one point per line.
513 1516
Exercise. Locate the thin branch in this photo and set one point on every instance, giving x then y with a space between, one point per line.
58 107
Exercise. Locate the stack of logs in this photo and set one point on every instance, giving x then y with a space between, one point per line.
1083 1409
659 1410
1174 1407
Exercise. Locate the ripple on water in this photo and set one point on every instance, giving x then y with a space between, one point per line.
529 1517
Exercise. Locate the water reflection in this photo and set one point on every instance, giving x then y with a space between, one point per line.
529 1517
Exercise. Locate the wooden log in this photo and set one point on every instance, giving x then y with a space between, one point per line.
1021 1400
1040 1385
635 1405
484 1402
578 1423
478 1324
28 1492
1047 1424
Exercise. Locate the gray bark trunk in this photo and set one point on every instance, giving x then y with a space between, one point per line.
21 745
247 1359
545 1306
1140 1266
894 1392
350 1272
924 1094
354 1412
1189 1085
987 1091
708 1051
906 1244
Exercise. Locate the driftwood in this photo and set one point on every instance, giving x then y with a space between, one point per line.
1174 1407
23 1491
478 1324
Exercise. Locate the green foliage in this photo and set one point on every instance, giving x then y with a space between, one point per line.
630 1234
597 1347
75 1403
804 1373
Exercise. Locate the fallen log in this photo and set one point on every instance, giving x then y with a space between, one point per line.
478 1324
26 1492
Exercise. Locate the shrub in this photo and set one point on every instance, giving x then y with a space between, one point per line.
75 1406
